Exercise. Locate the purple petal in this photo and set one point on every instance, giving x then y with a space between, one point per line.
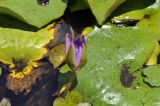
68 42
78 55
79 41
78 47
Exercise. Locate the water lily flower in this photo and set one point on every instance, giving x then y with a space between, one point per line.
75 51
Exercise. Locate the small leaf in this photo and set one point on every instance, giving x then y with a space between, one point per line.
152 74
102 9
71 99
65 69
79 5
57 55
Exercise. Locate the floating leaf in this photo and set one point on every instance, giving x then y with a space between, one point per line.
79 5
130 5
102 9
152 74
23 45
109 49
65 69
57 55
148 18
10 22
71 99
31 12
153 58
151 98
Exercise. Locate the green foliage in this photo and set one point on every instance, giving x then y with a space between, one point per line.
20 45
130 5
148 18
109 49
57 55
29 11
10 22
151 98
152 74
79 5
102 9
72 99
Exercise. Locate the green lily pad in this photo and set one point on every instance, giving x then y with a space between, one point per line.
65 69
148 18
57 55
109 49
79 5
102 9
10 22
31 12
152 98
22 45
71 99
130 5
153 58
152 74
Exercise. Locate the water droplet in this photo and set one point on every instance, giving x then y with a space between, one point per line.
43 2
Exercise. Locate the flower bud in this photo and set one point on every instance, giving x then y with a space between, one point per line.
76 52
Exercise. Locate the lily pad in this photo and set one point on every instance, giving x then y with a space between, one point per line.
71 99
130 5
31 12
57 55
109 49
151 98
10 22
152 74
153 58
102 9
79 5
148 18
23 45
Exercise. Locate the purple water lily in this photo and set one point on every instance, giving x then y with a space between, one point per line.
75 51
68 42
